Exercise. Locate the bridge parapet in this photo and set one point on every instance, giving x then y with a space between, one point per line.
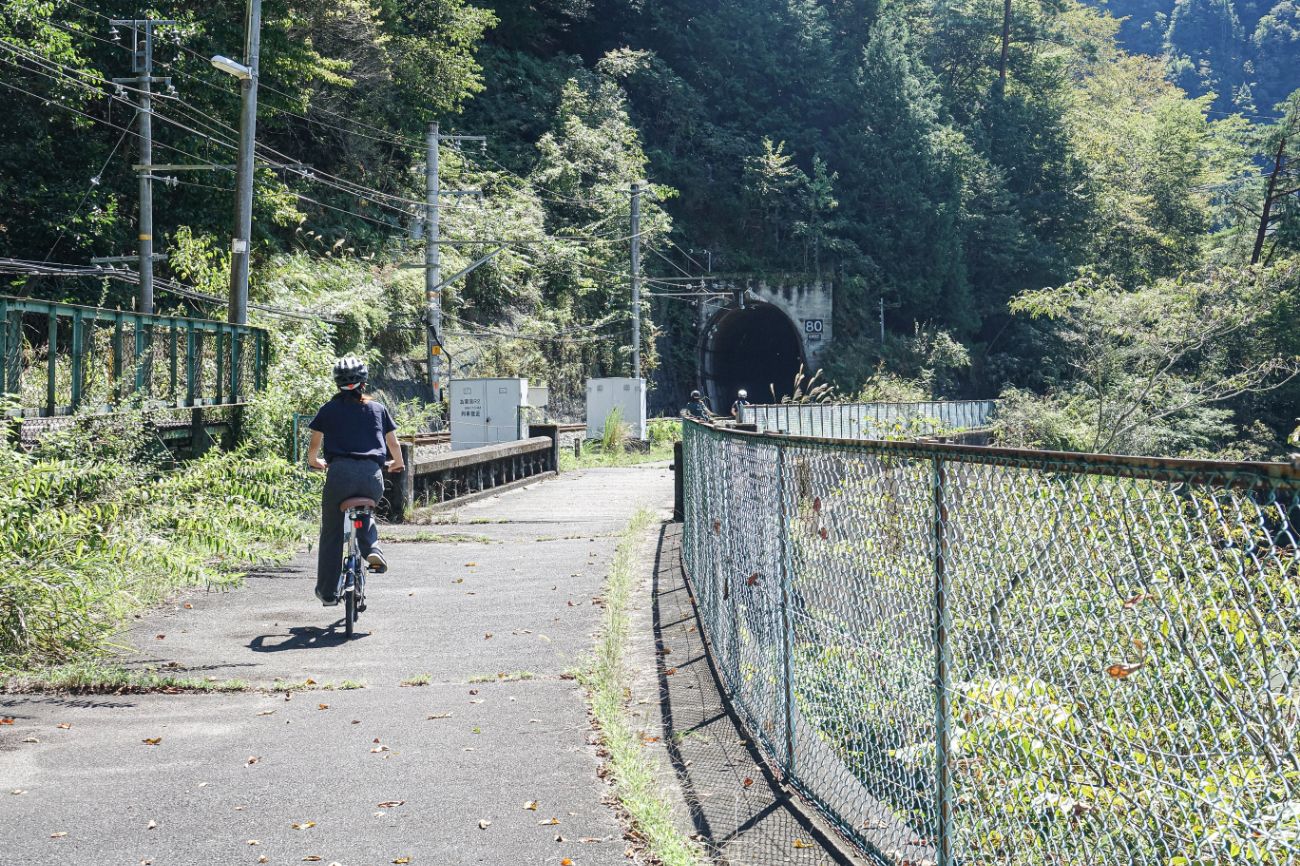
980 655
870 420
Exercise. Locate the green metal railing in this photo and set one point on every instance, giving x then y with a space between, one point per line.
57 359
974 656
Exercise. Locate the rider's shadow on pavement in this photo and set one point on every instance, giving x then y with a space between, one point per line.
303 637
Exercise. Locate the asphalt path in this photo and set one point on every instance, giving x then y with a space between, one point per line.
484 755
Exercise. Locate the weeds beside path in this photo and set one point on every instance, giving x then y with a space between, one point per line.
635 779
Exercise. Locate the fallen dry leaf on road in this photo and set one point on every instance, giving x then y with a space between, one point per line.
670 672
64 726
262 859
549 822
377 749
309 682
322 706
59 835
748 781
484 823
153 825
252 759
312 858
566 862
389 804
440 716
531 805
487 636
152 741
402 860
254 842
188 606
34 740
589 839
159 637
266 712
17 791
799 843
304 825
6 721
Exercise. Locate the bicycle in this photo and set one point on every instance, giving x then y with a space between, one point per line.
352 578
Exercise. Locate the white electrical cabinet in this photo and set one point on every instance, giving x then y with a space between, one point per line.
606 395
487 412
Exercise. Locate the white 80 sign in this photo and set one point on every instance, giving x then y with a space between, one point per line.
812 326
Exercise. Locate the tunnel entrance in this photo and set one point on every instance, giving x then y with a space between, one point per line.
757 348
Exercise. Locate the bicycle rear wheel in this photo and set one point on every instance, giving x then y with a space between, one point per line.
349 610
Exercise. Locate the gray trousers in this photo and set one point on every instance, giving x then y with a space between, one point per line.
346 478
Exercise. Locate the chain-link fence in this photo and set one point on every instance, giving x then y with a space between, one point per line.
869 420
982 656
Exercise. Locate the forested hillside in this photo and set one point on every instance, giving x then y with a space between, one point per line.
1050 204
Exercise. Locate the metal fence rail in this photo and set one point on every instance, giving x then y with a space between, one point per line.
869 420
968 655
57 359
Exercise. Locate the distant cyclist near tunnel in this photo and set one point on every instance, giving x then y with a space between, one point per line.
359 439
742 400
698 408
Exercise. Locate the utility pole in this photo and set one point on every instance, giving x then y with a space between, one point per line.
239 247
636 279
142 33
882 326
433 284
432 262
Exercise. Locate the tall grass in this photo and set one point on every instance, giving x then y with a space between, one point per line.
96 524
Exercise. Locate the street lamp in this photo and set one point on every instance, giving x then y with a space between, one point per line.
239 70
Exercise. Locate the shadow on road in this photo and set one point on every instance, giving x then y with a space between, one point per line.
740 811
302 638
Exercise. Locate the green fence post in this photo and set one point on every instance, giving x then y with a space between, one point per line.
117 357
236 360
787 636
942 782
171 363
190 394
139 359
4 347
78 350
51 362
221 366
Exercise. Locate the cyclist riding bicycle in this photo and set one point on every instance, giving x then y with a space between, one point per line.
359 439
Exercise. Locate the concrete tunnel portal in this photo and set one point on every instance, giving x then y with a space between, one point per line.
756 348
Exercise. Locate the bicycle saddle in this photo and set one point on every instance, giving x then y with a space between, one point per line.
356 502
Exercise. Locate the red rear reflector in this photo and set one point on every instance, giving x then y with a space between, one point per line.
358 523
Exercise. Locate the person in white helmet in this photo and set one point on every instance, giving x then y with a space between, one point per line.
742 400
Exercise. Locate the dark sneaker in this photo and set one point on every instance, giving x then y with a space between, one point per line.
328 601
361 604
378 565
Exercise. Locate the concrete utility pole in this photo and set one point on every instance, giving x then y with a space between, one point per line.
433 262
433 283
636 279
239 247
142 32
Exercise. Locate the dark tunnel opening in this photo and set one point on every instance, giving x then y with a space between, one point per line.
757 348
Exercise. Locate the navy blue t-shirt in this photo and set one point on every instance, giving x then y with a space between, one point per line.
354 429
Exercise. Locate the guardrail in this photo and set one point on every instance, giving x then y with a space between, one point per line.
58 359
967 655
869 420
461 474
